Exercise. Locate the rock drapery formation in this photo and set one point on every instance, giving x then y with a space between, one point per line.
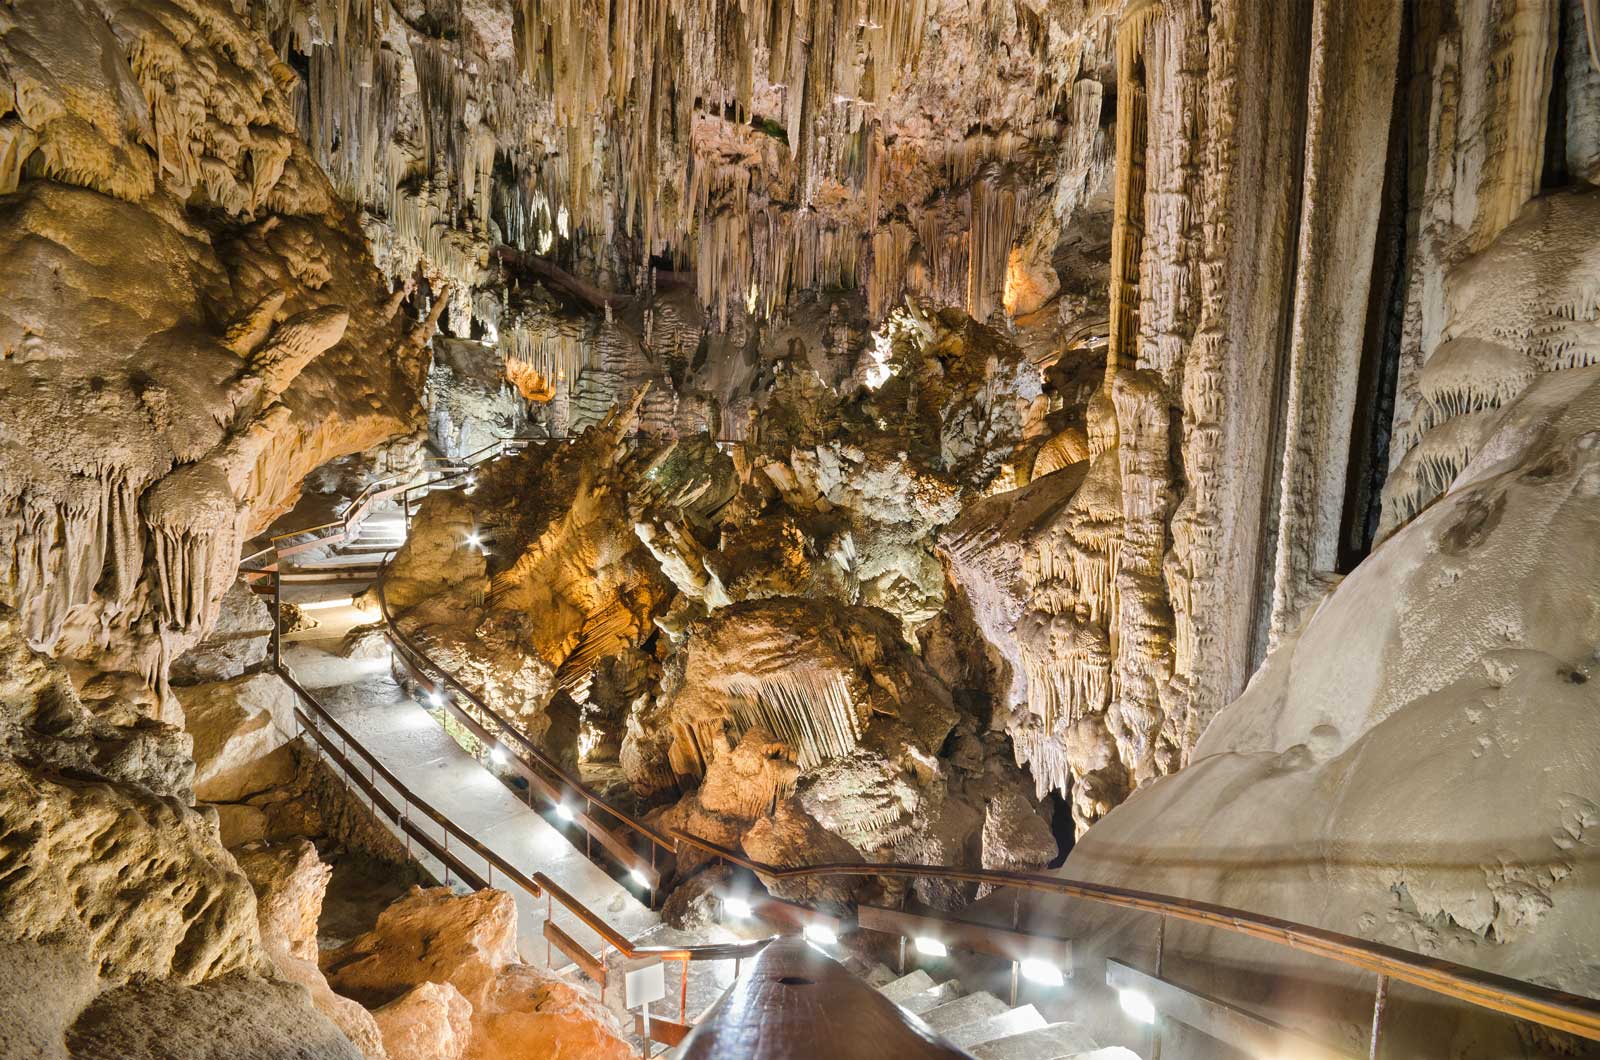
161 405
761 611
1414 765
941 407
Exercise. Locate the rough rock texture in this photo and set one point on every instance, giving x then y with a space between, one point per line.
238 640
469 944
767 602
127 929
153 163
1417 765
431 1021
610 190
290 880
241 730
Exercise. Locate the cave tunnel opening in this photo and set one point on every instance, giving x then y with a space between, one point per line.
1062 827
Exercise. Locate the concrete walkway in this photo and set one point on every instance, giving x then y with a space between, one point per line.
366 700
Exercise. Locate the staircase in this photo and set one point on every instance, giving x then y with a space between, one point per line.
375 536
986 1026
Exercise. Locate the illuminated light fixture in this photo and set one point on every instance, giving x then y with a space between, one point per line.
1037 971
323 605
498 756
821 934
1138 1007
435 699
932 947
737 908
564 811
474 540
639 878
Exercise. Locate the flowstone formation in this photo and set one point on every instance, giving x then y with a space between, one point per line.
1415 765
684 164
759 634
191 323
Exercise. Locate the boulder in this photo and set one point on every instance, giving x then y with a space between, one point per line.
468 943
290 881
240 728
365 642
790 838
238 641
431 1021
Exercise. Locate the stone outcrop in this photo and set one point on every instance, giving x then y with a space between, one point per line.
1402 768
290 880
468 944
237 642
240 731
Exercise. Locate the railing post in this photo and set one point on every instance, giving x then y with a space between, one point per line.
902 962
1380 1002
1161 951
683 992
277 613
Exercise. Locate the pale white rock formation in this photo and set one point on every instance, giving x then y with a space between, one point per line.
127 930
191 322
1414 766
1523 305
240 731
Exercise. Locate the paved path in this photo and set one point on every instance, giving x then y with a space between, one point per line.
363 696
367 701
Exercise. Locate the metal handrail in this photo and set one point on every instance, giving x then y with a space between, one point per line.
525 746
1558 1009
535 885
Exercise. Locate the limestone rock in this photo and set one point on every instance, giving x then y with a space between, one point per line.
368 641
790 837
432 1021
468 943
237 642
138 881
429 936
222 1019
240 729
290 881
1469 635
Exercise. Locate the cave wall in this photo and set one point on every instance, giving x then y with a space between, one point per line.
191 322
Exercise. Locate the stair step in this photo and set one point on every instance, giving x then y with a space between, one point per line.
903 987
880 975
1010 1022
1057 1041
964 1010
933 997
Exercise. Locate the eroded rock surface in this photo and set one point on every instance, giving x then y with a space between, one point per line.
468 944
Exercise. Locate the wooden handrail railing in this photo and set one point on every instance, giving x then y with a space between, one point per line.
1557 1009
525 748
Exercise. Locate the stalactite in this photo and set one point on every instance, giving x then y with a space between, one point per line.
1127 230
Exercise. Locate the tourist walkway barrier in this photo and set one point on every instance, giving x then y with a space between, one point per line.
626 837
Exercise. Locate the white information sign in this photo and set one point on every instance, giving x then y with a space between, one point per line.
643 985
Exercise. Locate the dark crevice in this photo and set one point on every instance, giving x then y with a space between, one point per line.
1373 427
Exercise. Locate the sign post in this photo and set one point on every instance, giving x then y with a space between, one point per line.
640 986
